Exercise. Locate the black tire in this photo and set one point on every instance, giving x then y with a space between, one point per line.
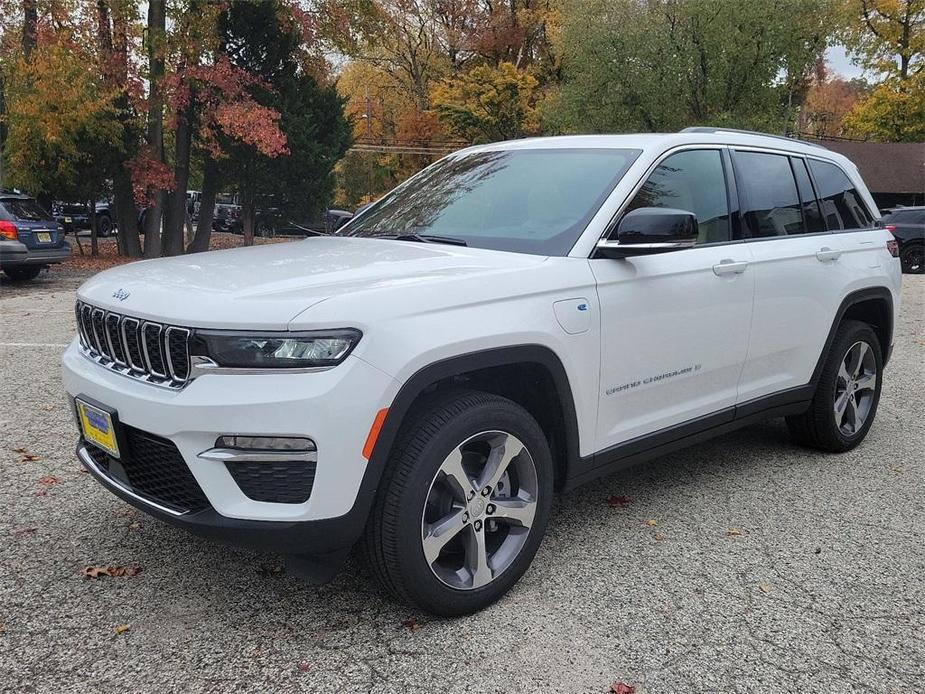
103 226
817 427
912 259
392 544
23 273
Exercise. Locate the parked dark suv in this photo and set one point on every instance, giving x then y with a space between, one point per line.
30 238
908 226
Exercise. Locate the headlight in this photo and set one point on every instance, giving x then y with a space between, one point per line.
275 350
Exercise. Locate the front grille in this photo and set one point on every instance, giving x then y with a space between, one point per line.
285 482
153 468
145 350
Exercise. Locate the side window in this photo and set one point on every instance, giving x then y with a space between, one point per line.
693 181
812 215
772 206
841 204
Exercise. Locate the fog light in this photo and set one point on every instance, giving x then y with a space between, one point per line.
265 443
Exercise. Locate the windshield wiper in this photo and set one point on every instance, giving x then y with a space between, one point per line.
429 238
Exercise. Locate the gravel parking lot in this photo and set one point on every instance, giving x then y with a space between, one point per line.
745 564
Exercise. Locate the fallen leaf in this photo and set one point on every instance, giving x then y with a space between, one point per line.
83 470
899 470
48 480
98 571
22 532
733 532
622 688
659 537
651 522
619 501
411 624
764 587
134 525
26 457
121 628
302 666
124 512
42 492
49 408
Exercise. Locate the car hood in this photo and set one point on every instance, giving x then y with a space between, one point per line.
267 286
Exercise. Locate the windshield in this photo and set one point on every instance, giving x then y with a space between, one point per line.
528 201
25 209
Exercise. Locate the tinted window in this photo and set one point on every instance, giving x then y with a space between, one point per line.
25 209
529 201
812 215
691 181
772 206
842 206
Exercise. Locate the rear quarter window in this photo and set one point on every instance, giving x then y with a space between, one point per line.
842 205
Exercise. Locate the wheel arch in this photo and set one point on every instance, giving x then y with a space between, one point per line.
531 375
874 306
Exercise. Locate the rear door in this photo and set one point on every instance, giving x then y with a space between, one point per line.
674 326
791 206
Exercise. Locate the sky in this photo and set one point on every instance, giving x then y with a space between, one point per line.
840 63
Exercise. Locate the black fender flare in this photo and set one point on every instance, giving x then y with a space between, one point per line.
852 299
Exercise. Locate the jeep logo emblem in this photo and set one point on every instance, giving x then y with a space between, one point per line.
120 294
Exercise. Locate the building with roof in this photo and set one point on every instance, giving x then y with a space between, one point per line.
893 171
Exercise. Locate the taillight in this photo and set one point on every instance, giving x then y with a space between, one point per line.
893 247
890 228
8 231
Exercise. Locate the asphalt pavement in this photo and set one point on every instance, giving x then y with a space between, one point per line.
745 564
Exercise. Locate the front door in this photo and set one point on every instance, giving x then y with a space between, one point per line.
675 326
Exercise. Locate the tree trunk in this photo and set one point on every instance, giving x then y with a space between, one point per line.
175 214
114 47
30 20
3 130
248 216
94 239
210 184
155 130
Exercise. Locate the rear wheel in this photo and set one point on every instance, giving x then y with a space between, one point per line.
103 226
23 273
464 503
913 259
845 403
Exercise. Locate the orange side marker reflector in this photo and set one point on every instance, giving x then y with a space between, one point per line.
374 432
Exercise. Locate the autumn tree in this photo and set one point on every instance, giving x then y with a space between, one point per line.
888 37
486 103
828 101
296 174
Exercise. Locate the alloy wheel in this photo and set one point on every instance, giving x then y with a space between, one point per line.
479 510
855 388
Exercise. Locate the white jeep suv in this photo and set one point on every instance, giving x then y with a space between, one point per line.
516 319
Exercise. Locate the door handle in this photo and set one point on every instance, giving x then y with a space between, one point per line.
825 254
728 266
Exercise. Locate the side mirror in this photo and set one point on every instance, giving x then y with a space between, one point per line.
650 230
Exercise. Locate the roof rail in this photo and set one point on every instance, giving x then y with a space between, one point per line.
712 129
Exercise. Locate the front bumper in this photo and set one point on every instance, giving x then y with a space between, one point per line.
13 253
334 408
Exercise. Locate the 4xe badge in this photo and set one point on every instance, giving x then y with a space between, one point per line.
120 294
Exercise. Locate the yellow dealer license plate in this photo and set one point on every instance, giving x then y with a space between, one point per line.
97 427
43 237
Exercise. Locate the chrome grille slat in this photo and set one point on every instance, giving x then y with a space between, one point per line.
114 337
144 350
97 317
153 349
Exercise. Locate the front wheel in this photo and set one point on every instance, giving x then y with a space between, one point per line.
845 403
464 503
